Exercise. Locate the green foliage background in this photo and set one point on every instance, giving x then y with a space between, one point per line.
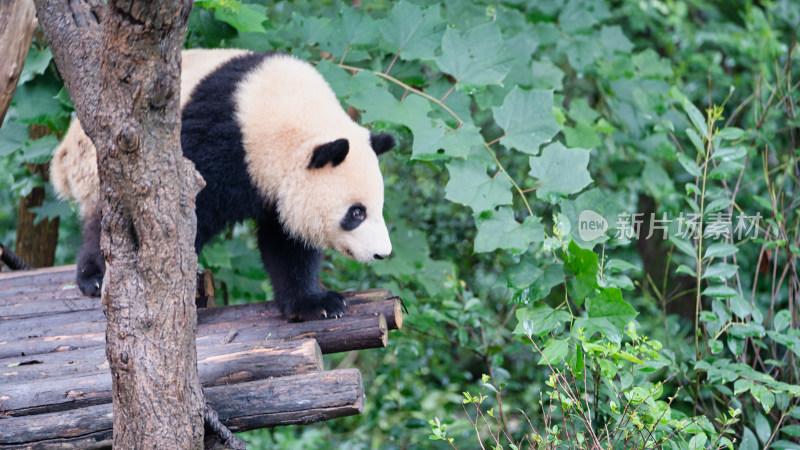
513 118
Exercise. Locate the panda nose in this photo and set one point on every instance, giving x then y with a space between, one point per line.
377 256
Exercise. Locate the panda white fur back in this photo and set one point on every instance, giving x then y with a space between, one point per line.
73 169
273 144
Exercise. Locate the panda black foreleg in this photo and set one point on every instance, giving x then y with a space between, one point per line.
294 270
91 265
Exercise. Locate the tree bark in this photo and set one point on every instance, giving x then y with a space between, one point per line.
120 62
17 24
36 244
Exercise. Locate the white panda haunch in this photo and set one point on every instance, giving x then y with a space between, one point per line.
274 145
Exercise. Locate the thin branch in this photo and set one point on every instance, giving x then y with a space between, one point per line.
404 85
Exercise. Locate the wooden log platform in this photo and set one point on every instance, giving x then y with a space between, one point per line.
257 369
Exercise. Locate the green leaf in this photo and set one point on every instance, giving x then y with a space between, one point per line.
415 32
35 101
627 356
475 57
65 99
791 430
579 15
782 320
745 330
582 51
686 270
463 141
245 17
499 229
615 40
726 170
13 135
554 352
583 266
698 440
407 259
650 65
561 171
542 320
540 284
583 135
689 164
51 209
36 63
741 385
749 441
763 430
217 255
358 27
697 118
608 315
719 291
720 250
470 185
527 119
721 271
730 153
39 150
430 135
657 180
730 133
547 75
587 212
740 306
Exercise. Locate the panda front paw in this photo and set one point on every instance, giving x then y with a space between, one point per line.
89 284
322 305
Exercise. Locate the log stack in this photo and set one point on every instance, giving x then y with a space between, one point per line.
257 369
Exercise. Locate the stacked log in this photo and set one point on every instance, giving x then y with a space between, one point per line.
257 369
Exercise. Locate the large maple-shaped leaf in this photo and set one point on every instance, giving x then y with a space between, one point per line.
415 32
527 119
561 171
499 229
470 185
475 56
541 319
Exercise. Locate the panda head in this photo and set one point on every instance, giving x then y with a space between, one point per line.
310 160
351 198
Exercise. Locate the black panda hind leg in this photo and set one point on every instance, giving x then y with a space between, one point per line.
294 271
91 265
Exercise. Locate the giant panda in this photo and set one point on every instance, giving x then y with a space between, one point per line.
274 145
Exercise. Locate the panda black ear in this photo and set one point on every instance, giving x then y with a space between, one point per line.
382 143
332 152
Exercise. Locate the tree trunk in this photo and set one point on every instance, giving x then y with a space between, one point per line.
17 24
121 64
36 244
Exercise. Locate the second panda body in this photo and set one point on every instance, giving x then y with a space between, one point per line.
273 144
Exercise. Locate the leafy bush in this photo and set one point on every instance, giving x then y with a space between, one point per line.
594 204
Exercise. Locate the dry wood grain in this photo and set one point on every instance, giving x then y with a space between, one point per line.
270 402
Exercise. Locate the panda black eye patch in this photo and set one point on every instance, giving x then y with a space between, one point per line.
356 214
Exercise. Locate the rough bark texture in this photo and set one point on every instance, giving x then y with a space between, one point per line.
17 24
121 64
36 244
